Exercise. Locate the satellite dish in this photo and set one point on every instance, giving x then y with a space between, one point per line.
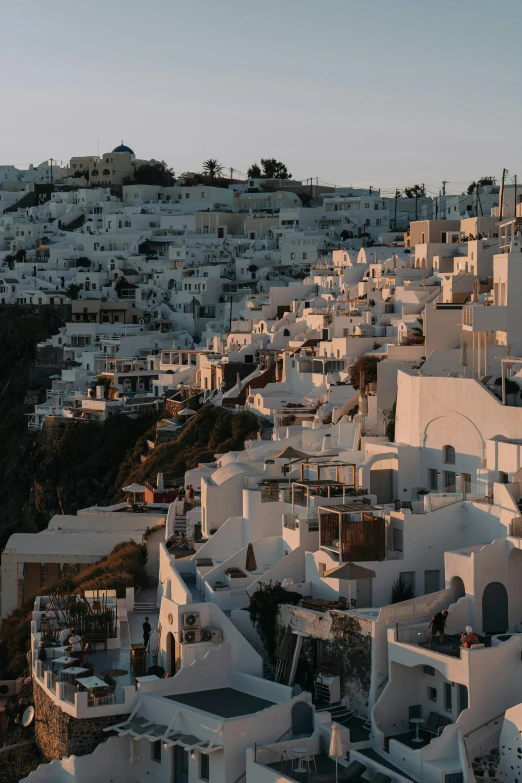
28 716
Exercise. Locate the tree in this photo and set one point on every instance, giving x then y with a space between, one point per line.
482 181
83 261
415 191
274 169
155 173
390 424
20 255
366 363
212 169
401 591
254 172
73 290
197 179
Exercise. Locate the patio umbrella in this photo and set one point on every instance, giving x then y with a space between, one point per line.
134 489
336 747
134 758
464 354
187 412
250 564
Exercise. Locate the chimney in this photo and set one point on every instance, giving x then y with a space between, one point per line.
160 486
100 392
327 442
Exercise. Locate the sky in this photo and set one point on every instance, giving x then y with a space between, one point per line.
385 93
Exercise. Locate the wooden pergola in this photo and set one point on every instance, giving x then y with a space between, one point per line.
329 465
313 486
353 531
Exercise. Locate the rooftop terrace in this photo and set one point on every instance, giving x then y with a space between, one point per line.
223 702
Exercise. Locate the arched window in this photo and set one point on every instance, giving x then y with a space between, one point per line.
448 455
94 173
286 332
106 173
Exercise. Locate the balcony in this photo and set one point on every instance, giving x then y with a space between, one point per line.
484 318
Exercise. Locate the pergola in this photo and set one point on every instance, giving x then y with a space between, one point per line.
306 486
353 531
328 465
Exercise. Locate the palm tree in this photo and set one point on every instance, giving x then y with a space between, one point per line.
212 169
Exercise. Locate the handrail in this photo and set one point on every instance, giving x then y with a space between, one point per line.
485 724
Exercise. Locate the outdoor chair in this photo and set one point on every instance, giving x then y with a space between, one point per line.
99 694
431 725
342 600
381 778
354 772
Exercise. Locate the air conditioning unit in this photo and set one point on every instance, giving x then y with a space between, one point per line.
210 634
190 635
191 620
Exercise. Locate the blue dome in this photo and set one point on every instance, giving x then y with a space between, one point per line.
123 148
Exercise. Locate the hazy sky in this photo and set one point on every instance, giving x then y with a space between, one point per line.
380 92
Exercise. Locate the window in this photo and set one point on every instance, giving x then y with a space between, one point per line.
431 581
155 751
450 480
408 577
432 694
397 539
106 173
378 222
429 670
292 256
204 766
503 477
305 255
448 701
367 205
448 455
94 172
433 479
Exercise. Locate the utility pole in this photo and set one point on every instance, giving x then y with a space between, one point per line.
436 208
51 172
504 172
231 173
397 194
515 180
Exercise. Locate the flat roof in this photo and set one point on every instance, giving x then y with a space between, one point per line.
223 702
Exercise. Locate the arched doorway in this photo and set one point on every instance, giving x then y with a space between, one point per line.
457 589
171 655
495 609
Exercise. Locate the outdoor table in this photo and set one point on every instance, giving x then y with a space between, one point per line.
91 682
417 722
69 675
300 752
64 660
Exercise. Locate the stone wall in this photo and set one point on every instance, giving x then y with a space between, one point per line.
59 735
346 650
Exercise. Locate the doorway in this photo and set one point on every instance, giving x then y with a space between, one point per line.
449 481
171 655
180 767
495 609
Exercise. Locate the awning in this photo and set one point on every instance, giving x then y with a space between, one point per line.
289 453
350 572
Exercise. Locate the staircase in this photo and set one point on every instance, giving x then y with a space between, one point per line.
145 608
268 671
180 524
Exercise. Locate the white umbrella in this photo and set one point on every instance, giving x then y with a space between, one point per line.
134 758
134 489
336 746
187 412
464 354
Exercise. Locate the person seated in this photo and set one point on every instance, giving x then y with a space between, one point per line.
468 638
75 645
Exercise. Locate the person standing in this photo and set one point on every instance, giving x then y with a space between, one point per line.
147 630
438 625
